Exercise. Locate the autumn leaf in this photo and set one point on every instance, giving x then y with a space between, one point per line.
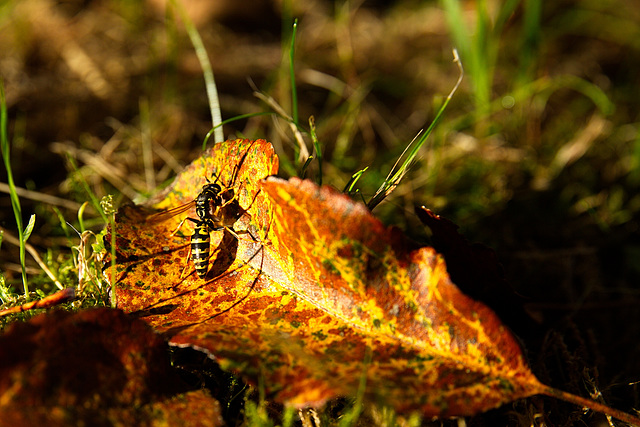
96 367
476 271
310 292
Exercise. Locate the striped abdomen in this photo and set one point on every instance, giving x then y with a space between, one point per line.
200 247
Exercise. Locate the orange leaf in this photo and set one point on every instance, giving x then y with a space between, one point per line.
314 294
96 367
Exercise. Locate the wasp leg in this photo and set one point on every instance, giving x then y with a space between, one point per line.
236 234
178 228
186 265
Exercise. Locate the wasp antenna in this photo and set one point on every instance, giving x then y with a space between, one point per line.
219 180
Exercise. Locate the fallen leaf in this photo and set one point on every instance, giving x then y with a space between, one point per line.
475 270
96 367
315 295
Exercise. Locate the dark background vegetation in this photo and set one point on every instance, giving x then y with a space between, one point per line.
543 166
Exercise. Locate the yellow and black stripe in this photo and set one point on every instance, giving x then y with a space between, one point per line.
200 247
207 198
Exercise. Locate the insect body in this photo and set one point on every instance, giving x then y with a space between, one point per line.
200 247
209 206
209 198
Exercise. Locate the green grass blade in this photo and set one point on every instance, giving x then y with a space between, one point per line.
29 228
203 58
232 119
478 50
81 216
292 74
350 418
94 200
15 201
63 225
303 172
459 31
109 210
531 36
5 293
481 57
316 146
288 416
506 12
545 87
397 173
542 89
348 189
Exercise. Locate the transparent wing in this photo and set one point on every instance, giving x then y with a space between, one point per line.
165 215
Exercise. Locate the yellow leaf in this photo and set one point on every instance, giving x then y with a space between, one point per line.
305 284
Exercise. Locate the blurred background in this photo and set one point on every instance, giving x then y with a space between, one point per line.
537 156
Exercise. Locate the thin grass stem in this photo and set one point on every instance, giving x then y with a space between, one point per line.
15 201
40 197
94 200
292 74
273 104
348 188
203 58
316 146
147 146
351 417
232 119
397 173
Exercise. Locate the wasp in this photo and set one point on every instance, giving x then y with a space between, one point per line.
208 198
210 207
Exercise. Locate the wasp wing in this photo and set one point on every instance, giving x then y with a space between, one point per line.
165 215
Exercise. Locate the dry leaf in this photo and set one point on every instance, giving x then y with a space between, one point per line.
316 294
475 270
97 367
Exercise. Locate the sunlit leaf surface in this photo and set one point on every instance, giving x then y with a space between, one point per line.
316 295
